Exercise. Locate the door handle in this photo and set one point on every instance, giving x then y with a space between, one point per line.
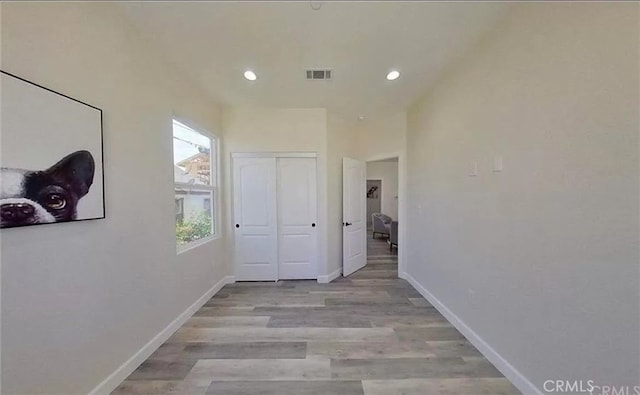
348 224
237 225
313 225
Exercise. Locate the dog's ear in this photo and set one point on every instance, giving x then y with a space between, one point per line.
76 170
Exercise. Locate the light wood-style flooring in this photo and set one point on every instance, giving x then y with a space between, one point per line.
370 333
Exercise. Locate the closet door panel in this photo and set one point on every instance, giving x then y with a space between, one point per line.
297 218
255 219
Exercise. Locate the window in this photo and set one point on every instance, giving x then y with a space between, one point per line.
195 176
207 205
179 210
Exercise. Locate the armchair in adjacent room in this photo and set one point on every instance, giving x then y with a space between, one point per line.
381 224
393 235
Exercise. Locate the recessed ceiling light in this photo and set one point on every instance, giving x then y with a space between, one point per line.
393 74
250 75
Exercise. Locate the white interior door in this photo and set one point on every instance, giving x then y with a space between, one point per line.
255 226
297 219
354 207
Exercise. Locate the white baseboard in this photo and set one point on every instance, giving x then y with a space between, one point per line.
330 277
124 370
511 373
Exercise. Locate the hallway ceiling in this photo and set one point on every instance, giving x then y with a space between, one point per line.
214 43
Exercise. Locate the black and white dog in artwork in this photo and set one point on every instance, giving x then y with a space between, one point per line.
35 197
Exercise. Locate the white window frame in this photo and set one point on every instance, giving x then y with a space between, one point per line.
213 188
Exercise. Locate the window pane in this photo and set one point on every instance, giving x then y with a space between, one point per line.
194 219
191 156
179 209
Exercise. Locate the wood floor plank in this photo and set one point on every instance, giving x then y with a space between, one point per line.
406 368
255 284
168 352
162 387
260 369
458 386
225 311
344 321
349 292
363 310
162 370
366 300
285 387
373 282
239 335
432 333
270 300
222 322
410 321
376 274
419 302
237 292
369 350
249 350
457 348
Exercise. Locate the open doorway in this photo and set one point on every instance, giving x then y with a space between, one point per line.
382 216
372 217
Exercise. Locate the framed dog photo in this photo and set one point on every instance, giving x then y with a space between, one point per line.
51 167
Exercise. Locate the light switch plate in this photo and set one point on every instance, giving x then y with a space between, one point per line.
473 169
497 164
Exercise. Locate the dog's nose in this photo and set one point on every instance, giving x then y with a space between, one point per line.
16 212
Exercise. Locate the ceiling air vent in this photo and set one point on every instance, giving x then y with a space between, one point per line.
318 74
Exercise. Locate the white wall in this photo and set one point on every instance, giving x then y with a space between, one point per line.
382 135
249 129
540 260
388 173
79 299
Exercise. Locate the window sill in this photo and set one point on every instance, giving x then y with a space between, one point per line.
194 244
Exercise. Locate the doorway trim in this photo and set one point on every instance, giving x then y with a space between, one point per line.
402 222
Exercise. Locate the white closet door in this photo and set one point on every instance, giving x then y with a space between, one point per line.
255 226
297 218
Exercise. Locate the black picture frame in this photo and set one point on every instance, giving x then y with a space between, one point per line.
99 164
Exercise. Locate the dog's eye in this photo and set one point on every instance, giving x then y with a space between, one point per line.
55 201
